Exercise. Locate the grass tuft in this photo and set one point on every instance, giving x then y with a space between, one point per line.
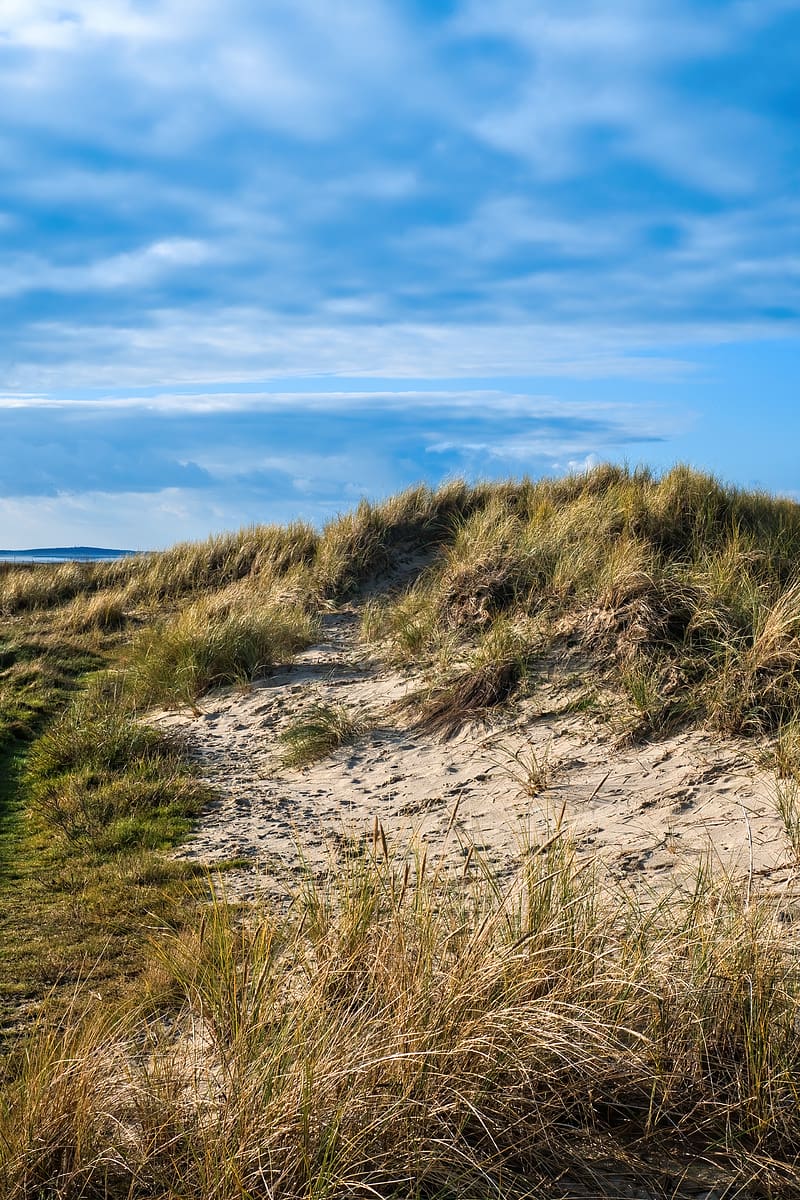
105 611
215 642
319 731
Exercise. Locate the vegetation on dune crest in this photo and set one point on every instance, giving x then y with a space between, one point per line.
350 549
686 592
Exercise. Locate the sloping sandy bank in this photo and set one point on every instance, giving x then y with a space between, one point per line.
651 813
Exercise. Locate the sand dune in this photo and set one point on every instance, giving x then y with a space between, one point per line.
650 813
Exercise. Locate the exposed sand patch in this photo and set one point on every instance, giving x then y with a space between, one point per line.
649 812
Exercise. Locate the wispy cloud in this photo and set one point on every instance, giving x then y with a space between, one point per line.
612 69
134 269
246 344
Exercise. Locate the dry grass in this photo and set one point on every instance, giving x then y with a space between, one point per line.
683 591
220 640
358 546
192 568
24 589
393 1036
532 769
104 611
787 804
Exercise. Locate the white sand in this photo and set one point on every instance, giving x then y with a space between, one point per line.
649 812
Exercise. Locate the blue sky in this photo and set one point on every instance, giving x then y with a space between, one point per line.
259 258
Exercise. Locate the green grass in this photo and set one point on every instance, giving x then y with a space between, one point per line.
11 769
98 776
37 674
80 883
319 731
89 797
78 921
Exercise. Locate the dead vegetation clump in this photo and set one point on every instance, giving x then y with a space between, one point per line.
501 661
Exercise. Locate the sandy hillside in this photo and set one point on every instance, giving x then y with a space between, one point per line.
651 812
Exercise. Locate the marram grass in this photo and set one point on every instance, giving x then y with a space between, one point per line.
682 593
399 1034
210 644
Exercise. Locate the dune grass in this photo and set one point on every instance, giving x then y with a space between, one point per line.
104 611
319 731
213 642
28 588
682 592
80 882
500 661
391 1035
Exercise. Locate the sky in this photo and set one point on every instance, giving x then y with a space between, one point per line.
260 258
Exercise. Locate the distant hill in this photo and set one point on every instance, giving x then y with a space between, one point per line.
65 553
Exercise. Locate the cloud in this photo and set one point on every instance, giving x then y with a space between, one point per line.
270 189
594 66
140 268
465 402
125 521
244 344
178 65
333 443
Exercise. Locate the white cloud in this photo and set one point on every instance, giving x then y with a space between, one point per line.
132 521
178 65
242 345
602 67
137 268
582 465
468 403
502 225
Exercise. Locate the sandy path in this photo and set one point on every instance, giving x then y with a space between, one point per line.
650 812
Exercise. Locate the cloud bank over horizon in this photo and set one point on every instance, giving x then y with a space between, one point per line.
262 259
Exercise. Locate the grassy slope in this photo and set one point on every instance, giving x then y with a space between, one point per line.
387 1037
65 911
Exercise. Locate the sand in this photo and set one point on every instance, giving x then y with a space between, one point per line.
650 813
